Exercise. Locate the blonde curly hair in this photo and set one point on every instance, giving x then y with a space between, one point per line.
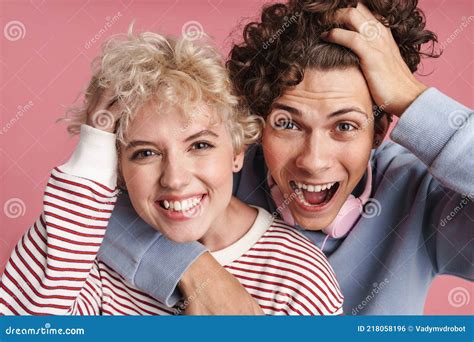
177 71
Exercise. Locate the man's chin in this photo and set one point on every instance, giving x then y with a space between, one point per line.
313 224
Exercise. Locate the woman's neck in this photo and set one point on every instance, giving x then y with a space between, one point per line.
230 226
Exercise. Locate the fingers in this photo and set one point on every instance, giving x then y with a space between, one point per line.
105 100
365 11
103 110
349 39
351 17
361 20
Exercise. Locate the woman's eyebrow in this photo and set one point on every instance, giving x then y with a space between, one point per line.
200 134
136 143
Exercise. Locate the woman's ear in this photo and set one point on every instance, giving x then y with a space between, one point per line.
238 161
381 127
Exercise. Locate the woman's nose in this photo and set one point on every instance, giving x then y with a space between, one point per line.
175 174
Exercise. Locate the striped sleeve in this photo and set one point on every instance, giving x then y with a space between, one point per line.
52 269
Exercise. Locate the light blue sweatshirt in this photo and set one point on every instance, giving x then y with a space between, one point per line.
422 226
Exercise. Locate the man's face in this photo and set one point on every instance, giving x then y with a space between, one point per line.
317 142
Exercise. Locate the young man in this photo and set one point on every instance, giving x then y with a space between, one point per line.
320 132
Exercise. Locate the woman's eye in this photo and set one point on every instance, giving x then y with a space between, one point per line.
143 154
345 127
201 145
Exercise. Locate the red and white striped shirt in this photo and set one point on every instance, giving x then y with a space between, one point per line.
53 270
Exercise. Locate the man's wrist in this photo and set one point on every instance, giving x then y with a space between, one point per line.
197 274
417 89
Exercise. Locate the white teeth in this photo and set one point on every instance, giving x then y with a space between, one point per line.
314 188
181 205
185 205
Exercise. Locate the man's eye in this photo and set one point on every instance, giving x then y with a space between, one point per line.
281 124
345 127
143 154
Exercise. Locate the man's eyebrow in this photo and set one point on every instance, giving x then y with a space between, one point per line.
200 134
348 110
341 111
289 109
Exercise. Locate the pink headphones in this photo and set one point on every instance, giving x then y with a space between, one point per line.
345 219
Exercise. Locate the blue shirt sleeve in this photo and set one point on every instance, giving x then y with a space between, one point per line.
145 257
440 132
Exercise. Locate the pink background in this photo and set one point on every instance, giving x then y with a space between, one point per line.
46 62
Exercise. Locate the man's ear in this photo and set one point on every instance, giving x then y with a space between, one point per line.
380 129
238 161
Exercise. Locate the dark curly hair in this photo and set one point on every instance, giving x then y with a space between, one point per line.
287 39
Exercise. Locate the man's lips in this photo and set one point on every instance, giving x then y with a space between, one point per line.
315 197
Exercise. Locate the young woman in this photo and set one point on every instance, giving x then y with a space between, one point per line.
180 134
318 149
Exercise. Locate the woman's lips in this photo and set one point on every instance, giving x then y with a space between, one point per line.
178 210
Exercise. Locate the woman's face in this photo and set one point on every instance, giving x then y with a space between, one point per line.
178 170
317 142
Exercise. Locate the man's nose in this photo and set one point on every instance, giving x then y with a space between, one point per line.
315 155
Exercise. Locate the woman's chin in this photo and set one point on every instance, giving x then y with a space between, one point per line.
180 236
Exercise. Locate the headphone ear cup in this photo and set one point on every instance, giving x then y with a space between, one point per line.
345 219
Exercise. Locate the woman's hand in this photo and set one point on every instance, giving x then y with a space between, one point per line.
391 83
209 289
103 111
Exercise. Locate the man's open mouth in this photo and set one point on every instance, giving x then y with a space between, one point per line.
314 195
